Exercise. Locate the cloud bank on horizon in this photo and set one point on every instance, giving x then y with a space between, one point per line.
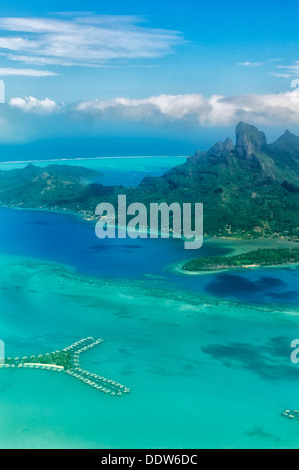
24 120
217 110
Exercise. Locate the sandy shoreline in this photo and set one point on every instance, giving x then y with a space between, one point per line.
238 246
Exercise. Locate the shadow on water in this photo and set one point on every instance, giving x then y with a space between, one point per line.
270 361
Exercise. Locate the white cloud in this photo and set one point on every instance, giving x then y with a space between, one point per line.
33 105
176 106
40 60
14 43
290 69
7 71
85 40
281 75
26 119
217 110
250 64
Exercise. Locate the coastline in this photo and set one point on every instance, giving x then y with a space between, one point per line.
54 211
94 262
91 217
70 159
238 246
233 244
62 275
177 268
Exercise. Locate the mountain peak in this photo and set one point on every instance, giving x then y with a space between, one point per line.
288 141
222 148
249 140
289 136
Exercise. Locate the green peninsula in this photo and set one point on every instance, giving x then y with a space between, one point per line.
256 258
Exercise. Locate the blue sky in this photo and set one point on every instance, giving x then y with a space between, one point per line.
144 77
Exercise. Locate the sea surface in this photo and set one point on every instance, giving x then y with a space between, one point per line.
207 357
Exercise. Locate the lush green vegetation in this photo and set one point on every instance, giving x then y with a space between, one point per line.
248 190
60 187
59 358
261 257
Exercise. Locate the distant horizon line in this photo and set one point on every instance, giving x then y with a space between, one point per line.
91 158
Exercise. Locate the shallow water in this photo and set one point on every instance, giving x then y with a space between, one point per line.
207 358
126 171
70 240
203 373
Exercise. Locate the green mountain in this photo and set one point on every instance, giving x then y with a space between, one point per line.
248 189
52 187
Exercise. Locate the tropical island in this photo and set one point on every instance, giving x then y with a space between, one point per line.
249 189
251 259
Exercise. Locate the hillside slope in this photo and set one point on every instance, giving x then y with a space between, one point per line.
250 188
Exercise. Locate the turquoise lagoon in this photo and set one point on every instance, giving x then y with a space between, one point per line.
207 358
127 171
